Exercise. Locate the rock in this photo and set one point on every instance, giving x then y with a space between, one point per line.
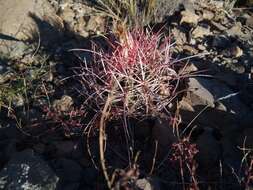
164 134
190 49
221 42
247 92
68 170
207 91
208 15
147 184
79 150
95 24
16 12
218 26
8 149
180 36
9 131
90 175
185 105
249 21
246 138
232 51
39 148
237 51
198 94
166 8
189 17
221 107
69 186
237 68
142 129
16 23
68 15
230 152
14 49
27 171
200 32
64 104
247 120
209 149
80 19
201 47
64 148
236 30
190 68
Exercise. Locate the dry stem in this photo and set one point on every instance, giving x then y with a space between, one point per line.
102 138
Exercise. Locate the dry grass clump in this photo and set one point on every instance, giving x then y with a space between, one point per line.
130 12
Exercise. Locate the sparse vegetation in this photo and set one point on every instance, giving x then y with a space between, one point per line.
129 13
183 153
125 108
20 86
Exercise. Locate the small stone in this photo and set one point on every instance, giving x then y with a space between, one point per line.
147 184
189 68
201 47
180 36
208 15
238 51
190 49
189 17
193 41
219 4
221 42
64 104
249 21
232 51
67 14
220 106
236 30
200 32
238 68
95 23
198 94
185 105
219 26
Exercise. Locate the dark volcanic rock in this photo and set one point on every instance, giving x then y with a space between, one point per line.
27 171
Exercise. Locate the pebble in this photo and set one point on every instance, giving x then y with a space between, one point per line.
209 15
200 32
63 104
189 17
